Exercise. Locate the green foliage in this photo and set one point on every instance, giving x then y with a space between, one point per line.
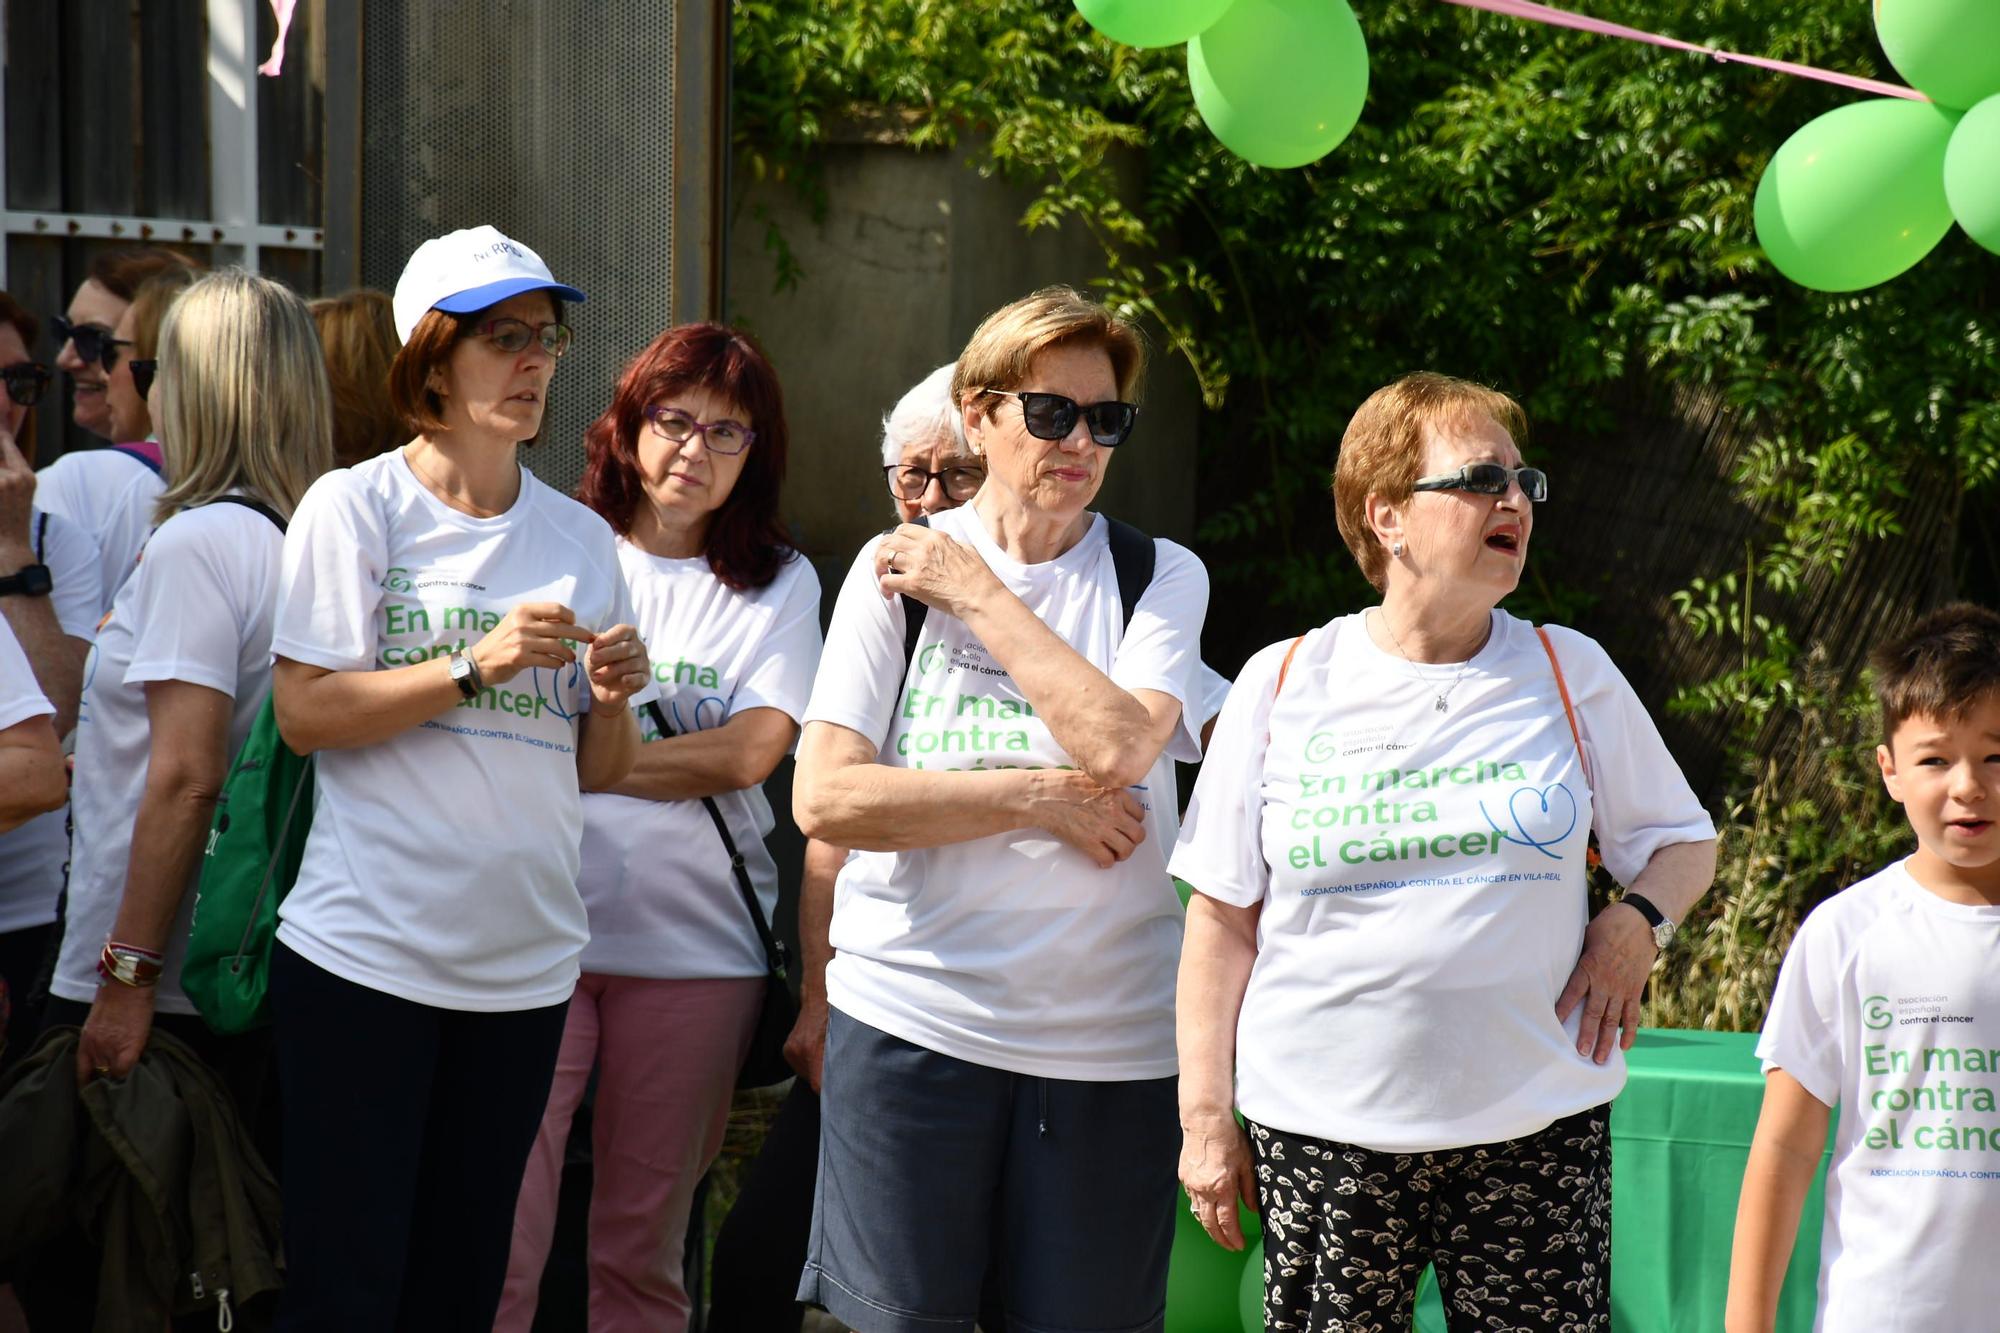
1550 212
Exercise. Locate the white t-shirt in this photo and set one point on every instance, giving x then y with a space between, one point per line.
198 610
1888 1007
1012 951
31 857
110 495
20 697
442 863
1422 879
662 899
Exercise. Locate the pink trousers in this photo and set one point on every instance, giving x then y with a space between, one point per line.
667 1054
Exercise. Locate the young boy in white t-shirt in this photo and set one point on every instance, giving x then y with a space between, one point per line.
1888 1007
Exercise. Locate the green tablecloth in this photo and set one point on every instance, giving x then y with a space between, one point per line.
1679 1135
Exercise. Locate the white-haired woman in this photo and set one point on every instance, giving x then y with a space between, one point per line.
925 457
183 662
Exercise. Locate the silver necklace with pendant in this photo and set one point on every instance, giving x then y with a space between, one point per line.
1442 697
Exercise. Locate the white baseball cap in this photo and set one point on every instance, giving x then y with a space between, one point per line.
466 271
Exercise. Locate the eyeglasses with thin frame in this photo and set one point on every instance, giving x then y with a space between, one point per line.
25 382
720 437
908 482
143 372
1489 479
1052 416
93 342
514 335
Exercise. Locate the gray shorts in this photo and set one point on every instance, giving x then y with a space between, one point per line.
931 1167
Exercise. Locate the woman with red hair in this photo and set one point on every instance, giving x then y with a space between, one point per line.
685 465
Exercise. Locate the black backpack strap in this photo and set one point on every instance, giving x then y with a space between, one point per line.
249 503
1133 556
41 537
914 612
774 949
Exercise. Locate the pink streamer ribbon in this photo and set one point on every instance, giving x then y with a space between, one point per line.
1557 18
275 66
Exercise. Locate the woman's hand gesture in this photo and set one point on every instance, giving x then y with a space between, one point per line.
1216 1171
533 634
1609 981
618 668
935 569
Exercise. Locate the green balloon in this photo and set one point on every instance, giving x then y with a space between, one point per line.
1281 82
1949 49
1972 173
1202 1278
1250 1292
1151 22
1857 196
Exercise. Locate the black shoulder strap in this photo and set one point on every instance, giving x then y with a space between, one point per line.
249 503
774 949
1133 556
42 537
914 612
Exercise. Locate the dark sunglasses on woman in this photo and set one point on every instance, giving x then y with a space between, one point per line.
25 382
1050 416
93 342
910 483
1489 479
142 375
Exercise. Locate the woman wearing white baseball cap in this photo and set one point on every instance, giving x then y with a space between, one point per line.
454 640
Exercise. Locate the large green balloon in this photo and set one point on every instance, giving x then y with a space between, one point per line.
1250 1292
1281 82
1151 22
1972 173
1202 1278
1949 49
1857 196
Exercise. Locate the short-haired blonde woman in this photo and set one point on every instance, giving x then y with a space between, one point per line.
999 1061
183 662
455 640
358 331
1390 949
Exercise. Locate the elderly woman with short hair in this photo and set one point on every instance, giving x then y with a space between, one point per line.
925 457
999 1064
1390 948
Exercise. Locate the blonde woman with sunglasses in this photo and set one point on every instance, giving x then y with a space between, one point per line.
998 1087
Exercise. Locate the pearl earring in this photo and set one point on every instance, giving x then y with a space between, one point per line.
1397 550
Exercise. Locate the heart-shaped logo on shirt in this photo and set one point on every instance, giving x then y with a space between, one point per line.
1542 817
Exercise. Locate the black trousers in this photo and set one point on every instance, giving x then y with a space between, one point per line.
407 1129
761 1248
22 953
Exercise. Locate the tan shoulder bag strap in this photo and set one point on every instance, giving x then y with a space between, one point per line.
1569 711
1286 665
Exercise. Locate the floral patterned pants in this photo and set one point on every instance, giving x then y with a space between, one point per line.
1520 1231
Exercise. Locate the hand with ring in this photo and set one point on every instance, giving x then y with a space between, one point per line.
1216 1170
938 570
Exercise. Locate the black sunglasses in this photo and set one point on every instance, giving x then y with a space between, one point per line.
1050 416
909 483
142 374
1489 479
93 343
25 382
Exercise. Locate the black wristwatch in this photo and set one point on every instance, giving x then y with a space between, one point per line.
27 581
1663 927
465 674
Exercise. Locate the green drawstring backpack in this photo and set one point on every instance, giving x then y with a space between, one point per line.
254 847
255 843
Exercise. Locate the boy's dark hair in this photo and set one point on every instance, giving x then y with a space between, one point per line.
1942 668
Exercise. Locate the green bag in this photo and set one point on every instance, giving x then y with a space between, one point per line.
254 847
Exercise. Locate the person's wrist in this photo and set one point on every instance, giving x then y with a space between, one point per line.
1206 1116
14 554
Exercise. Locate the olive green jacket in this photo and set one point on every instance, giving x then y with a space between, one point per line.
155 1166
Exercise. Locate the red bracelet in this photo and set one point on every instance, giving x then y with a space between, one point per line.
128 967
